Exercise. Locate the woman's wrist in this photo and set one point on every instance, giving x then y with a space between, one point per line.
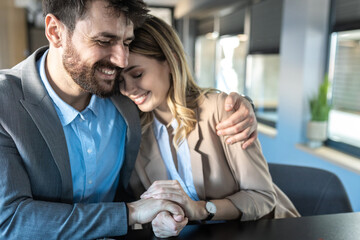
200 211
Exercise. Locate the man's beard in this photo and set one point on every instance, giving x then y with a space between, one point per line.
84 75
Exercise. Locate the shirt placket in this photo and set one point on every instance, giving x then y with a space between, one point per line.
169 163
89 154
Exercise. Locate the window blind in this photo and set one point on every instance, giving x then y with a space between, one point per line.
346 82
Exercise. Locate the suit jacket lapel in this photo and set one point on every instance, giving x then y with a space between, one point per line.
41 109
195 142
131 116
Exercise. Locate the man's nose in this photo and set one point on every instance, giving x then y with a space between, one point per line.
120 55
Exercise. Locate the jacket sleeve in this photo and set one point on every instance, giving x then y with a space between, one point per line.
256 196
24 217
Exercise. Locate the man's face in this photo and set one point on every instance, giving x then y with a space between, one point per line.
97 50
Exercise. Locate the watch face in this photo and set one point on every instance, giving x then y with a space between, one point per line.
211 207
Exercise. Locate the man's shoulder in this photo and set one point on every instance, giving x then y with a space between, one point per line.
9 78
10 85
6 74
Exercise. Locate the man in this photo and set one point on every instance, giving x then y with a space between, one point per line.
66 150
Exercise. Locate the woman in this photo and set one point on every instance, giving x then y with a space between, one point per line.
181 157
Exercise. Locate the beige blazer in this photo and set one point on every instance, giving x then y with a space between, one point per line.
219 170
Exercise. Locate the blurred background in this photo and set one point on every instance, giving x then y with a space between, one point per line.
277 52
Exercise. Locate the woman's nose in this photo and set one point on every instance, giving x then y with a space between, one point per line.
127 87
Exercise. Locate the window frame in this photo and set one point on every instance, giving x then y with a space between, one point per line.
333 41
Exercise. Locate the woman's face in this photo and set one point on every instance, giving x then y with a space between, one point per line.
146 81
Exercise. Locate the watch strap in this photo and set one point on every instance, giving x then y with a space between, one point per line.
209 217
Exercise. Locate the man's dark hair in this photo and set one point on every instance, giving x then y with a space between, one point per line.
70 11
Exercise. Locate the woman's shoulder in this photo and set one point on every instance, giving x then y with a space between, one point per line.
213 98
213 103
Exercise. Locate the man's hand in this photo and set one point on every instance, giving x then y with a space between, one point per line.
165 225
171 190
242 124
145 210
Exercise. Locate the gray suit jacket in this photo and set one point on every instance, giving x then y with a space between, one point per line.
35 176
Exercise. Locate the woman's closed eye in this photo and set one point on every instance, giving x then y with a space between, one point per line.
137 75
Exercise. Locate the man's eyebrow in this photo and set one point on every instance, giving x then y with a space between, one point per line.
110 35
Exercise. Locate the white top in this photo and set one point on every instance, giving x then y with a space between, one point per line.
184 173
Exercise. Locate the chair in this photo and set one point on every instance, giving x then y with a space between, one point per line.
313 191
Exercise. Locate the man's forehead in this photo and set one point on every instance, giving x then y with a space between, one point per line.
107 25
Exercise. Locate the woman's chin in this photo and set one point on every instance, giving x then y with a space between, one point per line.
145 108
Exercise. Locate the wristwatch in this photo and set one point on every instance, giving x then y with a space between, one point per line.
211 209
249 100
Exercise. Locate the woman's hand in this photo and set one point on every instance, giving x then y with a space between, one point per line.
171 190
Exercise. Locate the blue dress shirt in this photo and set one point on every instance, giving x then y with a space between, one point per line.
184 172
95 139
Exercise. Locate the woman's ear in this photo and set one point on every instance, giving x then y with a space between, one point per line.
54 30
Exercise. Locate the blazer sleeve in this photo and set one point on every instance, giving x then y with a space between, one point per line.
23 217
256 196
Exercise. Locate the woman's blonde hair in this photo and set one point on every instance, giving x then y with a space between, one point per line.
158 40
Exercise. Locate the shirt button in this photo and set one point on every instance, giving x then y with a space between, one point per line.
89 150
90 181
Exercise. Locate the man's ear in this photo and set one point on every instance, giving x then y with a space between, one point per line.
54 30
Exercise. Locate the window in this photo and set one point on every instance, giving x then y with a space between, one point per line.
220 62
226 67
242 50
205 52
262 76
230 75
344 75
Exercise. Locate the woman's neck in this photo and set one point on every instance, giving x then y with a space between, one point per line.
163 115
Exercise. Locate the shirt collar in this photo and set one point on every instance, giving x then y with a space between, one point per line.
66 112
94 104
159 128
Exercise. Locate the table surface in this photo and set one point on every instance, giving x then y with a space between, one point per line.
323 227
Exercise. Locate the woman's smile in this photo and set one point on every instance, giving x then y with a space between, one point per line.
138 100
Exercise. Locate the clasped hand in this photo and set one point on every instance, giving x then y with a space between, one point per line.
171 190
165 225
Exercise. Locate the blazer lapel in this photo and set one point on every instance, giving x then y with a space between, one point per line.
153 163
40 107
196 156
131 116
